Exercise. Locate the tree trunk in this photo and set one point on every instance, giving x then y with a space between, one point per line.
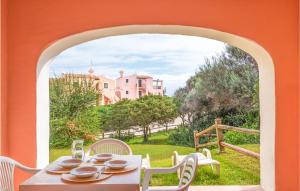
149 130
119 134
182 119
145 132
166 125
190 118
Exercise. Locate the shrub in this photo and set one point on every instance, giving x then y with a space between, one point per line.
182 136
84 126
185 135
72 111
240 138
124 136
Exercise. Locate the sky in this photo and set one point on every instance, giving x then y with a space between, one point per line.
171 58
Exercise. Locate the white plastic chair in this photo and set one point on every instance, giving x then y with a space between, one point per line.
188 165
113 146
7 166
146 162
204 159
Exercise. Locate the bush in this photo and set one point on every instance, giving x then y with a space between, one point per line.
185 135
72 111
240 138
84 126
61 135
182 136
124 136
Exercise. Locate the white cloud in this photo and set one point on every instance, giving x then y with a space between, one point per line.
173 58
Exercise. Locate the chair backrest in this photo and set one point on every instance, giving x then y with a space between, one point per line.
7 166
188 171
113 146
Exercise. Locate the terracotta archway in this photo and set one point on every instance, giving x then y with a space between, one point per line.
266 73
29 27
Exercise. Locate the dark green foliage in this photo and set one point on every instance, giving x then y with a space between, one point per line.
227 87
152 109
116 117
240 138
181 137
72 111
143 112
70 95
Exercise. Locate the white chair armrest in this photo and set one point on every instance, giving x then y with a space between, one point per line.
26 169
207 153
150 171
161 170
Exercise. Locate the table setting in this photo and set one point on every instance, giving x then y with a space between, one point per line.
95 168
102 171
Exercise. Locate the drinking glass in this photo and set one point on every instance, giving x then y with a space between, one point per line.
77 149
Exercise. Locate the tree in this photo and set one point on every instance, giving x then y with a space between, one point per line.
225 83
70 95
72 111
225 86
179 99
151 109
117 118
143 113
167 111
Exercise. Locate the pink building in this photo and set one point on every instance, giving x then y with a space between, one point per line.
107 88
135 86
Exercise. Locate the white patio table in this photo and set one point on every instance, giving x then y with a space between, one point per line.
43 181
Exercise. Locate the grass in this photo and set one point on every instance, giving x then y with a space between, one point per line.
236 169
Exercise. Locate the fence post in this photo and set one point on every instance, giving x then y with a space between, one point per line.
196 140
220 134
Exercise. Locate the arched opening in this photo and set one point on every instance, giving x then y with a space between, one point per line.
266 75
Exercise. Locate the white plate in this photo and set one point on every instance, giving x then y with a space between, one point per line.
116 164
70 163
85 171
103 157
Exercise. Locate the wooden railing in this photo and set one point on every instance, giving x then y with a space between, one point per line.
219 129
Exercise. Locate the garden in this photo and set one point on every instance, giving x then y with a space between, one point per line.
226 87
236 169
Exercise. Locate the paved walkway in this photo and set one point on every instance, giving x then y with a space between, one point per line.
137 131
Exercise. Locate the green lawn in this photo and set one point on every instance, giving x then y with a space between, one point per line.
236 169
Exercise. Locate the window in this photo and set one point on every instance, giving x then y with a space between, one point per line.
105 85
140 83
140 93
127 80
127 92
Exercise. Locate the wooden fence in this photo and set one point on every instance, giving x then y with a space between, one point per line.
219 129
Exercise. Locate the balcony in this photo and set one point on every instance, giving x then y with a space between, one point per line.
141 86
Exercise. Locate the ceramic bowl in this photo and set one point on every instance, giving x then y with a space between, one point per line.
116 164
85 171
103 157
70 163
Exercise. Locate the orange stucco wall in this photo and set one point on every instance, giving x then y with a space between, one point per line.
29 26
